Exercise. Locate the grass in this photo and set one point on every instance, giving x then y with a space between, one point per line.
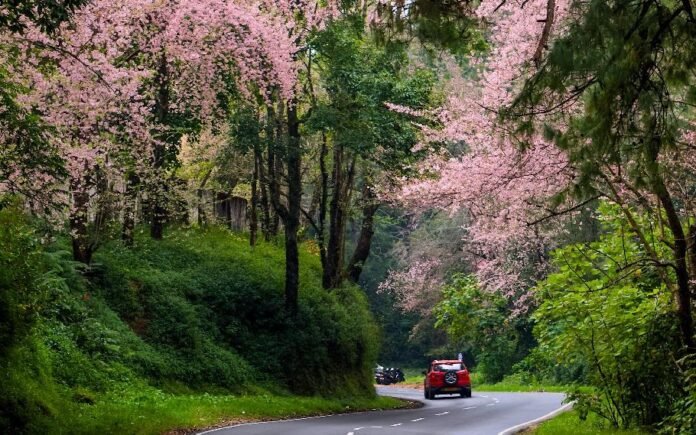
569 423
414 376
152 411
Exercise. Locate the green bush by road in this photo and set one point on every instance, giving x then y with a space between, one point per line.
178 333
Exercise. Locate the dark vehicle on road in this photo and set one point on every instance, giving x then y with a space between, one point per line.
446 377
387 376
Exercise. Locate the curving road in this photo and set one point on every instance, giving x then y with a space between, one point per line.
482 414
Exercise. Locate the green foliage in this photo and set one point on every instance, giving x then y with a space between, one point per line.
605 307
628 62
152 327
205 297
46 14
438 25
395 326
23 275
360 77
35 401
683 417
483 322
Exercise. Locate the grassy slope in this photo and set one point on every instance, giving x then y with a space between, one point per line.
153 411
85 369
128 404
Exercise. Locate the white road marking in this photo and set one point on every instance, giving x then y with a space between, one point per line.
491 404
395 425
470 407
443 413
485 397
349 433
358 428
418 419
375 427
513 429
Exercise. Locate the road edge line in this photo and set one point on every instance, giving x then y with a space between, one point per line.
526 424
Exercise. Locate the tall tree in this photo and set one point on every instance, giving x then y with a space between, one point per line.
621 108
359 134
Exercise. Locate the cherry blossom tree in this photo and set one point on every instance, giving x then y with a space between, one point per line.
505 185
563 113
111 79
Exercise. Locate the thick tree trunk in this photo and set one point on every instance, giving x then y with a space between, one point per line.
342 187
159 212
686 324
292 221
362 249
290 211
679 248
334 252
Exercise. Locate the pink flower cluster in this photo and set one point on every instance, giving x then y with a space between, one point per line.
502 185
96 79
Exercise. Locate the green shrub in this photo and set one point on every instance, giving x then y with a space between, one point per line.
214 306
605 308
22 271
199 311
483 323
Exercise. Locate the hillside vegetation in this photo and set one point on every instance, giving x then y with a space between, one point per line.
180 332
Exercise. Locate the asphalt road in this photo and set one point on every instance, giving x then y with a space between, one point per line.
482 414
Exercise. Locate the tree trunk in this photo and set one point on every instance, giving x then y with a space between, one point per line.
129 209
292 221
265 204
274 168
277 169
679 249
103 206
159 212
342 187
323 201
362 249
253 210
202 219
334 254
692 250
686 325
289 212
82 249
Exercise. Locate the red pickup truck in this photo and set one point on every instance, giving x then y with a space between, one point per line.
447 377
